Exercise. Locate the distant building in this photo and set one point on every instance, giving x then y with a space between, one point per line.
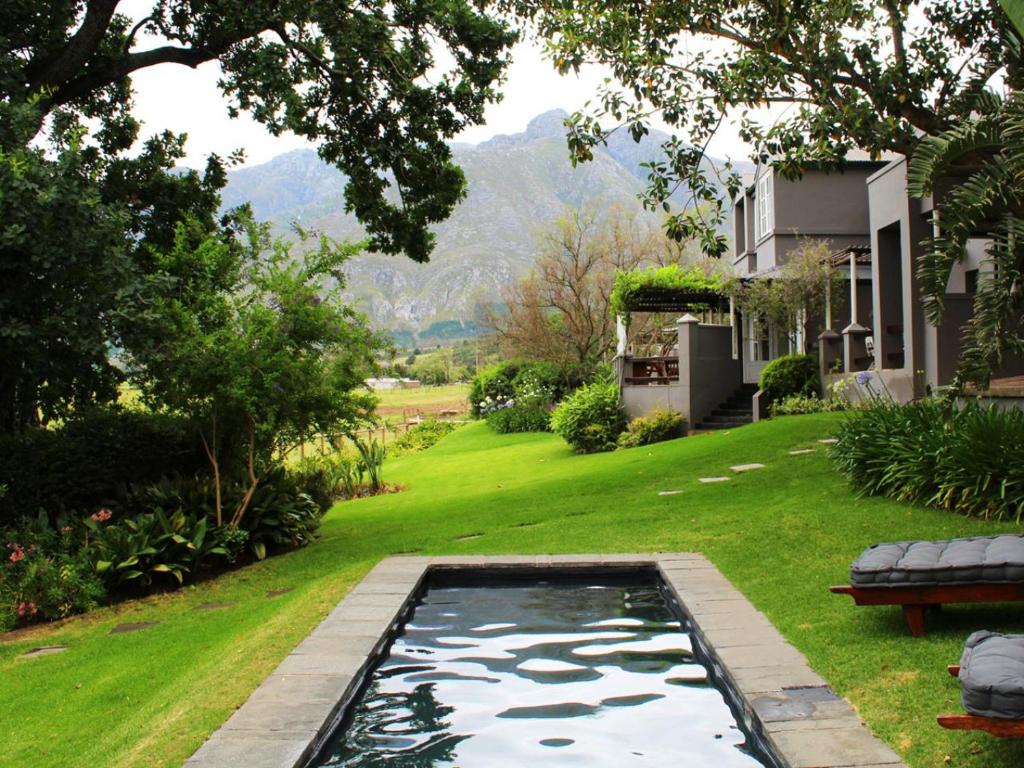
388 382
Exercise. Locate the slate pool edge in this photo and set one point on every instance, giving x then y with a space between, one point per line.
288 717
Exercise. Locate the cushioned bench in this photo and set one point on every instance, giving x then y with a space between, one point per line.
991 673
920 574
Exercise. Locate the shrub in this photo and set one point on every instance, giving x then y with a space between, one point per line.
45 576
422 436
793 405
499 383
150 547
966 459
790 375
90 461
280 516
591 418
528 417
655 427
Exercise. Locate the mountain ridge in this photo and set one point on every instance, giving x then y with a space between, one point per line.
517 185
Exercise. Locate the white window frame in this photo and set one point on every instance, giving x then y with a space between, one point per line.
765 220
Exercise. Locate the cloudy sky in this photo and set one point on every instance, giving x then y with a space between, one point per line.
183 99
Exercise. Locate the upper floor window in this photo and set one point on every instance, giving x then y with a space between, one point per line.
765 205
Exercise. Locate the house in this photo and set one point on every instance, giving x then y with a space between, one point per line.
876 234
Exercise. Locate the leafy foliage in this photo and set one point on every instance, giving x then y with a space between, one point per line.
654 427
990 198
969 459
870 74
44 575
350 78
793 405
790 300
91 460
697 278
591 418
424 435
253 348
139 549
790 375
526 417
281 516
499 383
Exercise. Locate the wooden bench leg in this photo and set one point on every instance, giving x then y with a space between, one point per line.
914 615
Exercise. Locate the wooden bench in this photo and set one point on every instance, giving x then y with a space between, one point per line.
997 726
915 599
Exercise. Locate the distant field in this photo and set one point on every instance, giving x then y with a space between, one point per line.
428 401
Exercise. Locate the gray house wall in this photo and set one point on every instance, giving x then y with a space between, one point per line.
708 375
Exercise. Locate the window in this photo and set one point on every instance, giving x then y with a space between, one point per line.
765 208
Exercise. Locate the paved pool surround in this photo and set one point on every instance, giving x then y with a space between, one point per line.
803 722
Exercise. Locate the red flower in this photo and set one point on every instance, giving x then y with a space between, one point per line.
102 515
66 529
21 610
32 609
17 554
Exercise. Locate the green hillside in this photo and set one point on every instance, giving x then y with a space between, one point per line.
781 535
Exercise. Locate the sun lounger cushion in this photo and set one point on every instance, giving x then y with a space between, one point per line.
992 675
985 559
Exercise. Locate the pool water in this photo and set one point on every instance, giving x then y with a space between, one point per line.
594 673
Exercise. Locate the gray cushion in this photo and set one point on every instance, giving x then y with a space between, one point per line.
984 559
992 675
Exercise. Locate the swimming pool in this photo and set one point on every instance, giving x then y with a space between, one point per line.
596 670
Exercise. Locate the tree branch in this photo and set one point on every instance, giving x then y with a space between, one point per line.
79 48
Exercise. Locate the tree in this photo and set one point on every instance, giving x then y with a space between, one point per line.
78 224
366 81
870 74
795 298
247 341
561 311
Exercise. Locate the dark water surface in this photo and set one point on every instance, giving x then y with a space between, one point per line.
592 673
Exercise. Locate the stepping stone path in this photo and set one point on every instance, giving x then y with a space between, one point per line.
715 479
45 650
746 467
668 493
138 626
468 537
213 606
279 592
829 441
801 452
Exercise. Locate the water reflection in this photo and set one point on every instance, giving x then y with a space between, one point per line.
557 674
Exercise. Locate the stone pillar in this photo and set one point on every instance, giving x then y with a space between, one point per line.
830 352
687 328
855 351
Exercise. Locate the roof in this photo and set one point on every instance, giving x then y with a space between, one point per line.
659 299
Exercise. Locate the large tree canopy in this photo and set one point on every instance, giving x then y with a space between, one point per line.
379 86
365 80
868 74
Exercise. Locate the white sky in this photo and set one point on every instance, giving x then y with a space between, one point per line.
188 100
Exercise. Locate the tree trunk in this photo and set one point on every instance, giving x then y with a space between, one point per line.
211 455
236 519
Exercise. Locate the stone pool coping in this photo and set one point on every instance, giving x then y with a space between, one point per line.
288 718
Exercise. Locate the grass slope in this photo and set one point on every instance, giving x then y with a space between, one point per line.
781 534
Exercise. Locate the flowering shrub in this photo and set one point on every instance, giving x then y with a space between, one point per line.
527 417
45 575
514 380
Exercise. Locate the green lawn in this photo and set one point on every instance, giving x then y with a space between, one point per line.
781 534
429 401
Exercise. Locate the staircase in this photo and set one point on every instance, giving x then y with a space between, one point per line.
734 412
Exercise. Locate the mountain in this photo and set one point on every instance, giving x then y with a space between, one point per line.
518 185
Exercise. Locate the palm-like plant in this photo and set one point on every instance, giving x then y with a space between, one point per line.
983 156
